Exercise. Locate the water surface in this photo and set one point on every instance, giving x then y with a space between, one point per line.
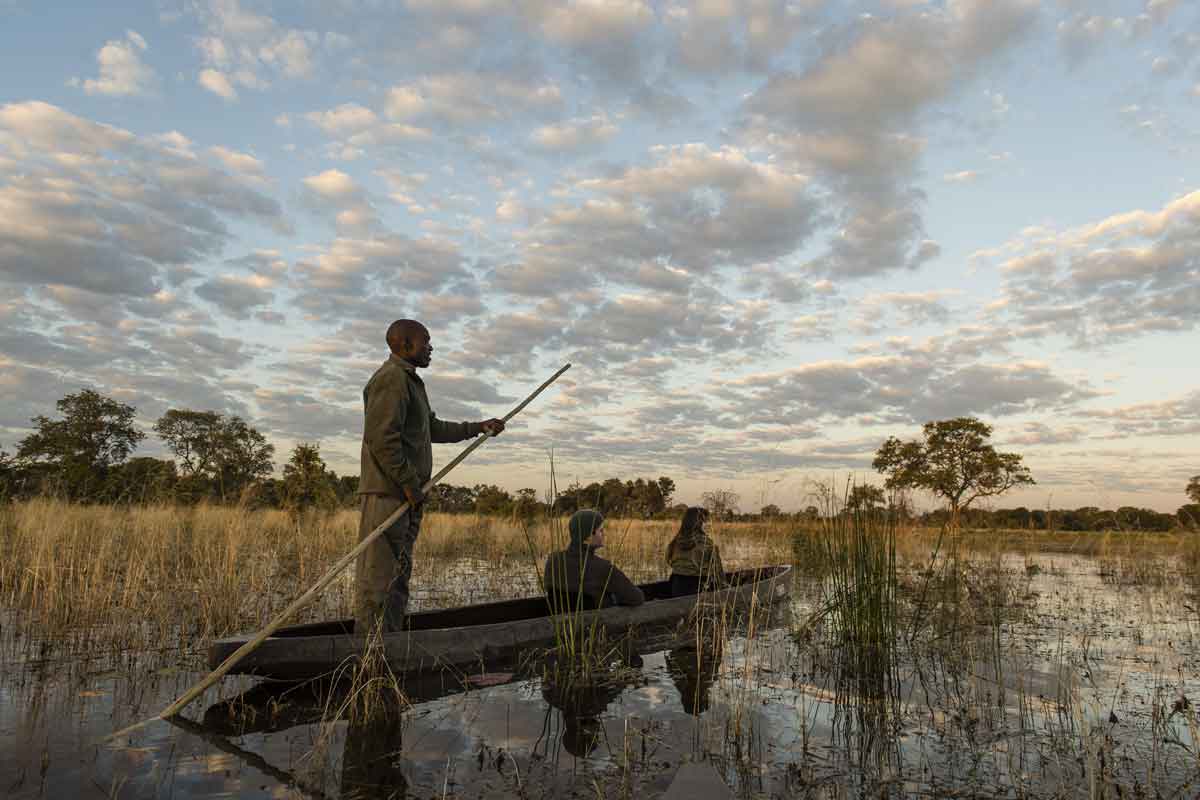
1080 686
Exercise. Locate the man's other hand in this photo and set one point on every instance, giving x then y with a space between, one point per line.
413 496
492 427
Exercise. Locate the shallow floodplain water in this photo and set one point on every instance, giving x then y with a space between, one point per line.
1078 683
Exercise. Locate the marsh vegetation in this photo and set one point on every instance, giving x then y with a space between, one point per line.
911 661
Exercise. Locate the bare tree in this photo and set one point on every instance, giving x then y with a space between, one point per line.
720 502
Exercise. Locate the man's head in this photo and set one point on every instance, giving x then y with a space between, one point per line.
586 526
409 339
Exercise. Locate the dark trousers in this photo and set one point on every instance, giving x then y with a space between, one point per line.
383 570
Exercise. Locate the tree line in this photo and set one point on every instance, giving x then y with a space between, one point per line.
86 456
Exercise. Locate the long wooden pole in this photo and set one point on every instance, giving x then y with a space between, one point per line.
303 600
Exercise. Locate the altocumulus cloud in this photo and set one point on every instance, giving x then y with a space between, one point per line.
96 207
122 71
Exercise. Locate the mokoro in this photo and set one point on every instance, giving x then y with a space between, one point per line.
479 634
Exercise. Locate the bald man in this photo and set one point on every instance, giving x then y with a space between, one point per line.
397 460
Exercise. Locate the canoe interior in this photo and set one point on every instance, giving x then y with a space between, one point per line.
504 610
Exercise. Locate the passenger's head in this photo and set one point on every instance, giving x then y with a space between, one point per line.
693 524
409 339
586 526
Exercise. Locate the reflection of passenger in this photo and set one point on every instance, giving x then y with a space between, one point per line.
582 704
371 757
694 670
694 558
583 695
577 578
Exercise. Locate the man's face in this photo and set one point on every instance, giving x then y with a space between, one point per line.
597 539
419 349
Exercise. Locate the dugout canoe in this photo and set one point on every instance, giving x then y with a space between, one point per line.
490 632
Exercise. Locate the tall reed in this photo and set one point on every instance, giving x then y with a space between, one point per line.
860 558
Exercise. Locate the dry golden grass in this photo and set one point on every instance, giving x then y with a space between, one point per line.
169 577
121 579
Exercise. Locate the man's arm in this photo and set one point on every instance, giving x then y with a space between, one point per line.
383 431
440 431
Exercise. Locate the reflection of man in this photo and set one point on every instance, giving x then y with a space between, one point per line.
371 758
397 460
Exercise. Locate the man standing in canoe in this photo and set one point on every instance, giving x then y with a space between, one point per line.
397 460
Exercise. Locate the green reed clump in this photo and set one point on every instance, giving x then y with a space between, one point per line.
863 611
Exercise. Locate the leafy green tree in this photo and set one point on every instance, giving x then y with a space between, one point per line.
955 461
307 482
770 511
526 505
450 499
347 490
614 497
645 498
74 454
243 457
219 455
1143 519
193 436
141 480
492 500
1193 488
267 493
666 487
865 499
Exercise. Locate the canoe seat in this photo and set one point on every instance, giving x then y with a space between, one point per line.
683 585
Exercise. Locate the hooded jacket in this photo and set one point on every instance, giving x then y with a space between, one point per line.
580 571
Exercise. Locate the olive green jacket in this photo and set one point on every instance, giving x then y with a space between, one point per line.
399 430
702 559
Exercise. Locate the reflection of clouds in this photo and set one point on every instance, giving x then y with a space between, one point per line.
793 717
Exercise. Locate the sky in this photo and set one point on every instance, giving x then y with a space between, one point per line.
766 235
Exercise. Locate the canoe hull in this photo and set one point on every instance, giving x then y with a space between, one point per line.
501 631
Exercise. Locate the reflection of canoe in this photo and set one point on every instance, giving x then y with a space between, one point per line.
273 706
472 635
